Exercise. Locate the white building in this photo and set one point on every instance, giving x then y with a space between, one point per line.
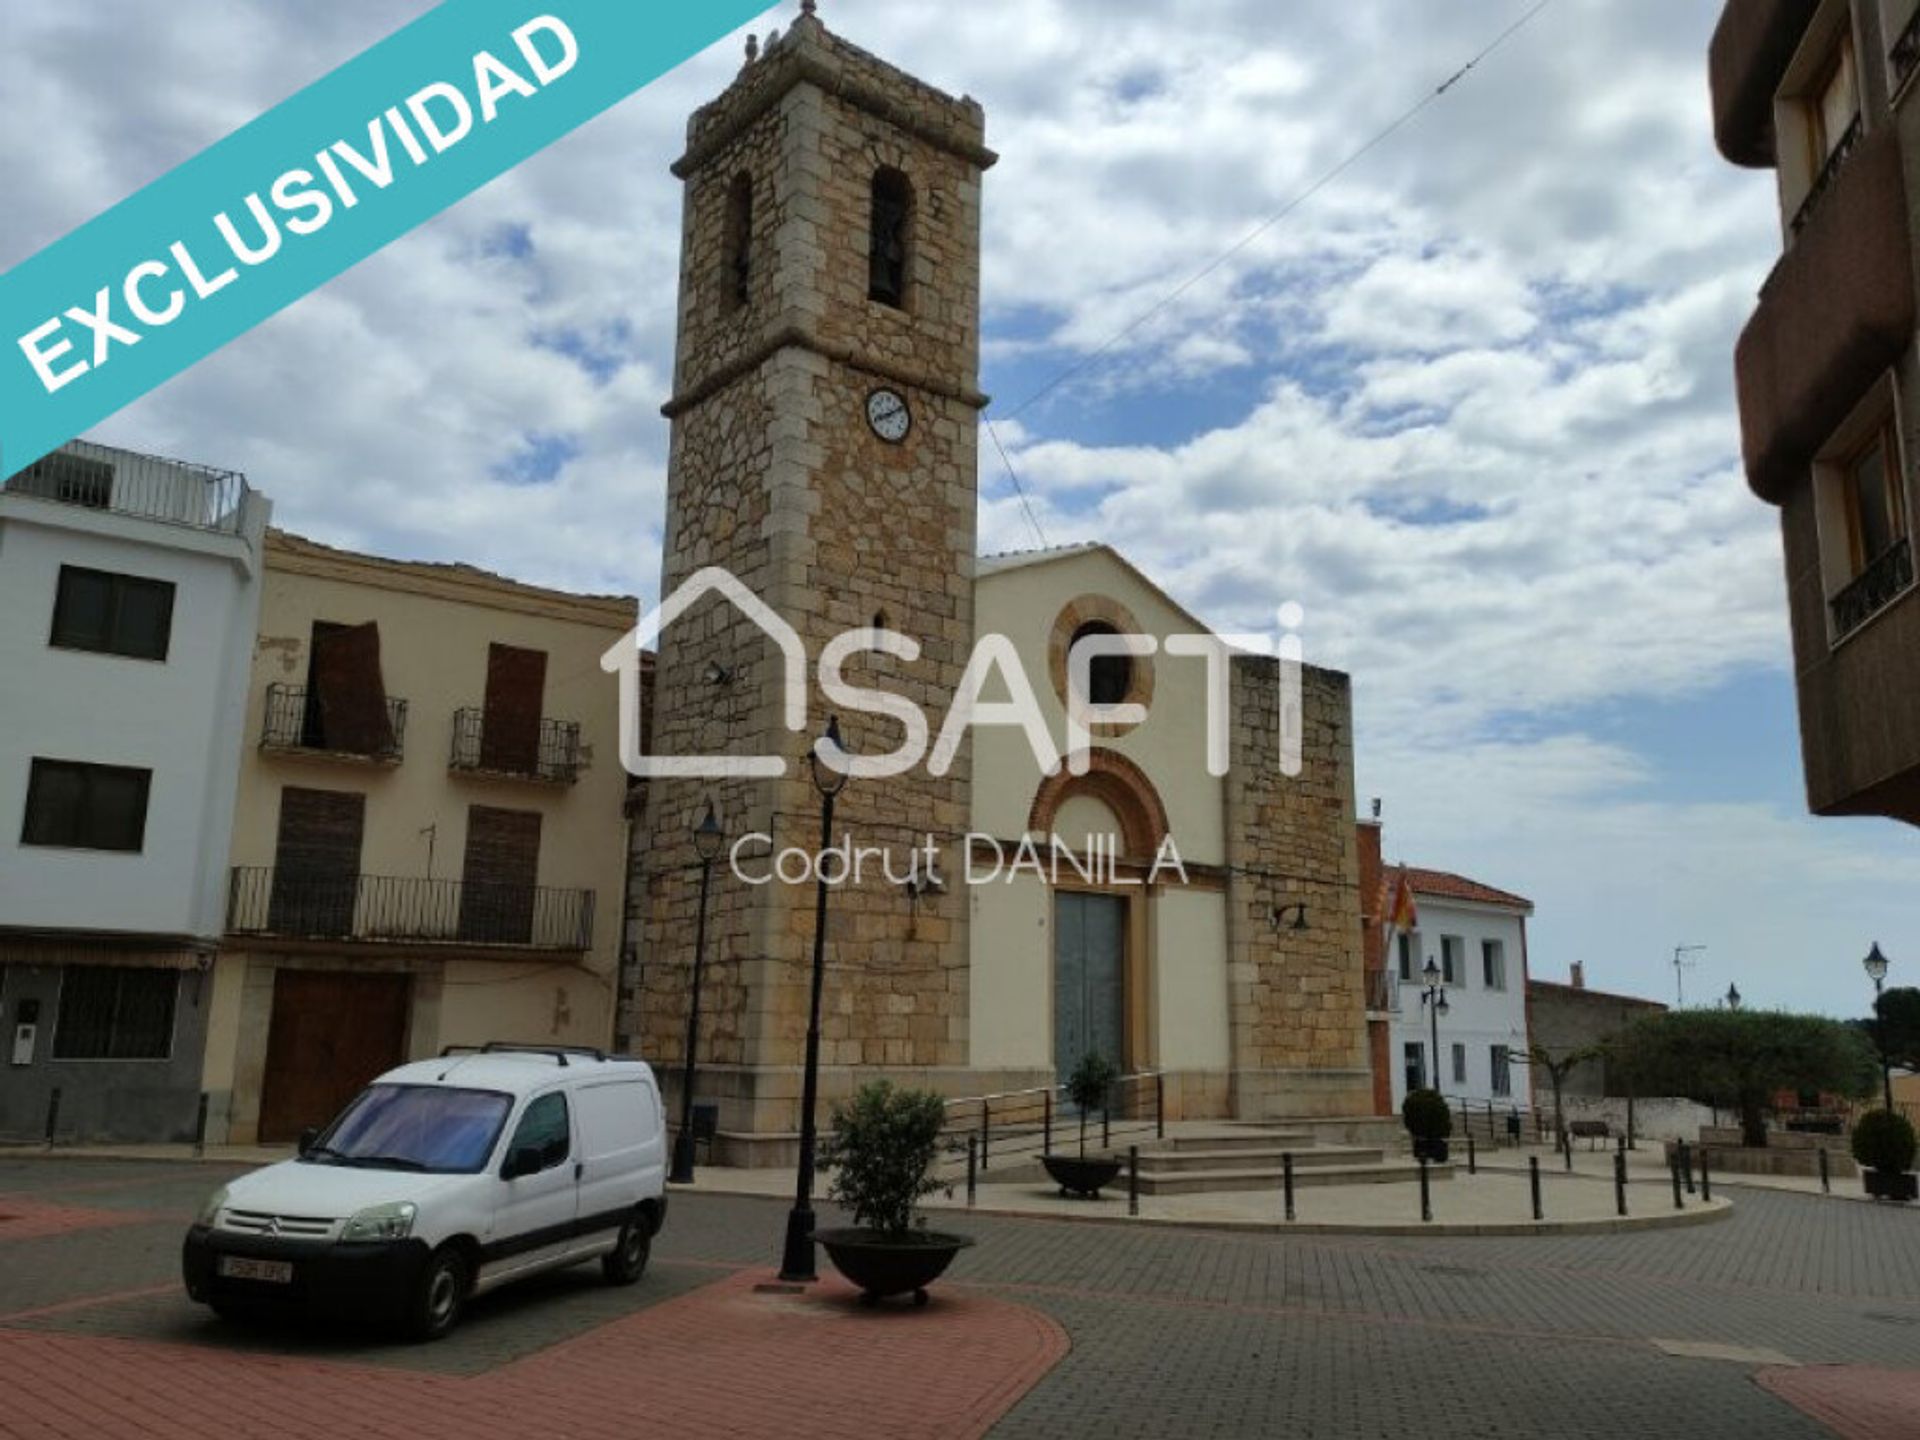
1476 936
129 595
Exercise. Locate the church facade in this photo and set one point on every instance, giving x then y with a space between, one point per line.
825 416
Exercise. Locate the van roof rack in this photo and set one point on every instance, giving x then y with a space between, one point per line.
565 1054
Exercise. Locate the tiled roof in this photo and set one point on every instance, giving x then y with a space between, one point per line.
1440 885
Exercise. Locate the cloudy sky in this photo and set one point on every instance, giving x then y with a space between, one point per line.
1471 406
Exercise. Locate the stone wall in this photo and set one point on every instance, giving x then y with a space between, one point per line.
1297 1008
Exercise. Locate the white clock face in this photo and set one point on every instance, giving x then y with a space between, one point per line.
887 412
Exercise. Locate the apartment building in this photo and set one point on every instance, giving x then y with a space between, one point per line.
1475 938
1822 93
129 593
429 839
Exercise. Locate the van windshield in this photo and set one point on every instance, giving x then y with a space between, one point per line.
415 1127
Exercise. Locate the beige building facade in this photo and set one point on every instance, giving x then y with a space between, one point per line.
429 837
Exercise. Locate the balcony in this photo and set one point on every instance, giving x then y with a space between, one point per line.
120 482
1879 585
384 910
1751 50
1835 314
371 732
546 751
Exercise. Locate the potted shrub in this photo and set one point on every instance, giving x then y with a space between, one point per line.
1087 1088
1883 1143
1429 1122
881 1153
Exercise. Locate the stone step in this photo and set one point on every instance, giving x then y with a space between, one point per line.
1275 1140
1264 1158
1201 1182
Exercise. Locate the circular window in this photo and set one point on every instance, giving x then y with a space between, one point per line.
1110 679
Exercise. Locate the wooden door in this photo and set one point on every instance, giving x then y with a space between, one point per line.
331 1033
510 725
500 876
316 863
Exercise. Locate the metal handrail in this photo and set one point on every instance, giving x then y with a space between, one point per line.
288 725
1875 588
1823 182
388 909
147 487
553 756
972 1118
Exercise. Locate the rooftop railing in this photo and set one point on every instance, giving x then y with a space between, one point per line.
120 482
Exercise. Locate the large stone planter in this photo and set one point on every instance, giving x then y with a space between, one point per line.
1892 1185
1079 1176
884 1265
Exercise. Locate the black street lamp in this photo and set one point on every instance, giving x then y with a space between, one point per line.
1435 999
1877 965
796 1265
708 838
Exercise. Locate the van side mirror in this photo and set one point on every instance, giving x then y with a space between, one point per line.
523 1161
309 1138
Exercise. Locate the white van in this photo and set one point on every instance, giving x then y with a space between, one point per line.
440 1181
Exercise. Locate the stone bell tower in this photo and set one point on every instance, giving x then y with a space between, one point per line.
825 423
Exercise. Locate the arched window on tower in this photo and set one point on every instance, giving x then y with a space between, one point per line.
892 238
739 274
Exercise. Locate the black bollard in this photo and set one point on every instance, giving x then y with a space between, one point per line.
1673 1169
1473 1164
1826 1175
1706 1180
1620 1182
986 1134
53 1115
1106 1127
1686 1165
973 1168
200 1127
1566 1153
1426 1195
1133 1180
1046 1126
1533 1179
1286 1180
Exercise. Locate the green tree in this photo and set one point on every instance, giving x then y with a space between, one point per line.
1896 1026
1745 1057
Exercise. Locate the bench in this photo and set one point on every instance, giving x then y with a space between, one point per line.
1592 1131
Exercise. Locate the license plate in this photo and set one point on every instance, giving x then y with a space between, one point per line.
274 1272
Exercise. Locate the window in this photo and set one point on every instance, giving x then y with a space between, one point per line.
739 241
86 807
1459 1064
114 1013
1493 964
1416 1063
1833 104
1110 677
544 1128
406 1127
891 239
112 614
1407 951
1876 519
1502 1070
1453 960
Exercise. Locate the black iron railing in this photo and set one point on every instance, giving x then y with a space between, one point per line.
383 909
1878 586
96 477
294 721
1025 1124
1905 53
550 752
1823 182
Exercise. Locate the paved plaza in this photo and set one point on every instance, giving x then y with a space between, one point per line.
1792 1316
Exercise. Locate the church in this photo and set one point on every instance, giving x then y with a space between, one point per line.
826 414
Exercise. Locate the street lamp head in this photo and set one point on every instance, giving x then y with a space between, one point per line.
1430 972
827 781
1877 965
708 837
1441 1006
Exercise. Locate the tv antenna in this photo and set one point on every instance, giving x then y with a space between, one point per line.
1683 961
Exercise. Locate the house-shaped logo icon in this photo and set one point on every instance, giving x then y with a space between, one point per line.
624 660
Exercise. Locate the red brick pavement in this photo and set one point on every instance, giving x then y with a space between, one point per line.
721 1361
23 1219
1856 1402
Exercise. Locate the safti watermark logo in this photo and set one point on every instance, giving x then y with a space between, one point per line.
995 659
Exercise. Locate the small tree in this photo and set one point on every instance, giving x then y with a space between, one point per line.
1745 1056
1557 1068
1426 1115
1087 1088
881 1153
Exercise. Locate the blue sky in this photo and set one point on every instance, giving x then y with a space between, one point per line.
1471 405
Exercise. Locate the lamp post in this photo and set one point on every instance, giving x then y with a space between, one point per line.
707 840
1876 965
1435 999
796 1265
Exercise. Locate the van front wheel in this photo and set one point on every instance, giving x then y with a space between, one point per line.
627 1261
443 1291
